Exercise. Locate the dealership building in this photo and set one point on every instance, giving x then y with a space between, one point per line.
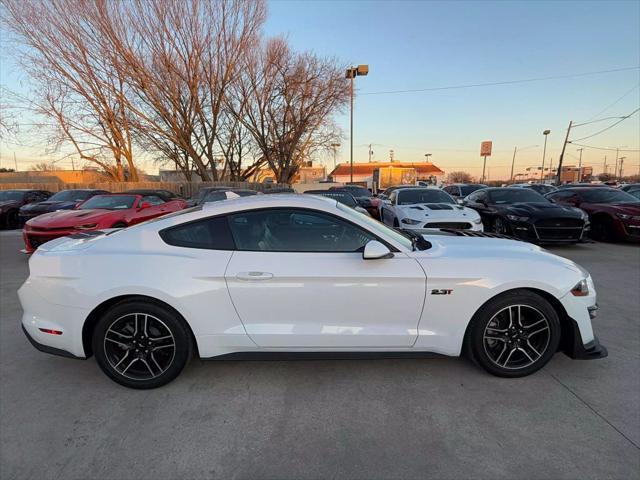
363 172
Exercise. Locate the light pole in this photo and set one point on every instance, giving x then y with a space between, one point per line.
544 152
620 171
352 72
427 155
580 166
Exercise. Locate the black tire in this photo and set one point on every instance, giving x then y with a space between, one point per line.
119 225
12 221
500 226
133 351
602 229
485 341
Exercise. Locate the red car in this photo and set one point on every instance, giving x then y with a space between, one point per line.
614 215
99 212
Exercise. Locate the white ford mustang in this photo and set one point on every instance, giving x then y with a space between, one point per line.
294 273
418 208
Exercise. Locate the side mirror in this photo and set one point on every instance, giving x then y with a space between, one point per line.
144 205
460 201
374 250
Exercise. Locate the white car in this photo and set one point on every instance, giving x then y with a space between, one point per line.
418 208
298 273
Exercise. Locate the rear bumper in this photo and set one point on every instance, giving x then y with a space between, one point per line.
48 349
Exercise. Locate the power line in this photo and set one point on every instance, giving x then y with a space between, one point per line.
622 119
506 82
602 148
612 104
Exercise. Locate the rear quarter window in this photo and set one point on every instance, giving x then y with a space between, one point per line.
208 233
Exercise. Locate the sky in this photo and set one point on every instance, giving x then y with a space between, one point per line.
411 45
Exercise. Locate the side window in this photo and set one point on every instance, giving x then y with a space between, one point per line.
296 230
393 196
152 199
210 233
473 197
561 196
450 190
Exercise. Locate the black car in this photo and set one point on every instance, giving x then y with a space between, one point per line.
583 185
12 200
64 200
364 198
629 187
166 195
341 196
527 215
461 190
541 188
198 198
218 195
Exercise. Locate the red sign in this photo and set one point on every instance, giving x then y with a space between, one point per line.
485 148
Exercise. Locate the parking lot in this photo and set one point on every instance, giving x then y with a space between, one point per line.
417 418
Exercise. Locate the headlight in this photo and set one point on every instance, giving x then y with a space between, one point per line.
516 218
87 226
410 221
477 221
624 216
581 289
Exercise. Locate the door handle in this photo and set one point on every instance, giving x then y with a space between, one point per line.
254 276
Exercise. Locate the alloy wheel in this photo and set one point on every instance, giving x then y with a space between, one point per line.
516 337
139 346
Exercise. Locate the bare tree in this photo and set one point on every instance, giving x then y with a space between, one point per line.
180 58
287 101
459 177
79 87
44 167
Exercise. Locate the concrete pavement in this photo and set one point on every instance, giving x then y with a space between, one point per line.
438 418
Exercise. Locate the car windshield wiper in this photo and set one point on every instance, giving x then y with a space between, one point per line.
418 242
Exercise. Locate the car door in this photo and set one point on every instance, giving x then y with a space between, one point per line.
298 280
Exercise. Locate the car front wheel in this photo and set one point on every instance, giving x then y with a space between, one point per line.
514 335
141 345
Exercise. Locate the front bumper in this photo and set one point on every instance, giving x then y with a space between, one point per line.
451 223
574 347
34 238
529 232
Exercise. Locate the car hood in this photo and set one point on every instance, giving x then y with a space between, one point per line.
467 249
68 218
48 206
540 210
626 208
429 211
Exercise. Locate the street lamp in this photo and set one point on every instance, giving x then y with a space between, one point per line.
544 152
427 155
352 72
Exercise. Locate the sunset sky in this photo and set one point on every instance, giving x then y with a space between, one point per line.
423 45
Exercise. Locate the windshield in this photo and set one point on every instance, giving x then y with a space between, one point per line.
358 191
601 195
7 195
109 202
467 189
377 227
70 196
344 198
424 195
516 196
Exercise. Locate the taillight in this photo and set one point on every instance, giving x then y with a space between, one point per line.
52 332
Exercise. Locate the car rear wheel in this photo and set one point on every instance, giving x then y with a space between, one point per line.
141 345
514 335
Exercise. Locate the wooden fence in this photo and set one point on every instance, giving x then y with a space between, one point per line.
186 189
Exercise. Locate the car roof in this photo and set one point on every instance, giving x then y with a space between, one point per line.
585 189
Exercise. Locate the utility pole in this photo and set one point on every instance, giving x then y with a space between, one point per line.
513 161
621 161
615 170
351 129
73 165
551 165
370 152
564 146
580 165
15 161
604 166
